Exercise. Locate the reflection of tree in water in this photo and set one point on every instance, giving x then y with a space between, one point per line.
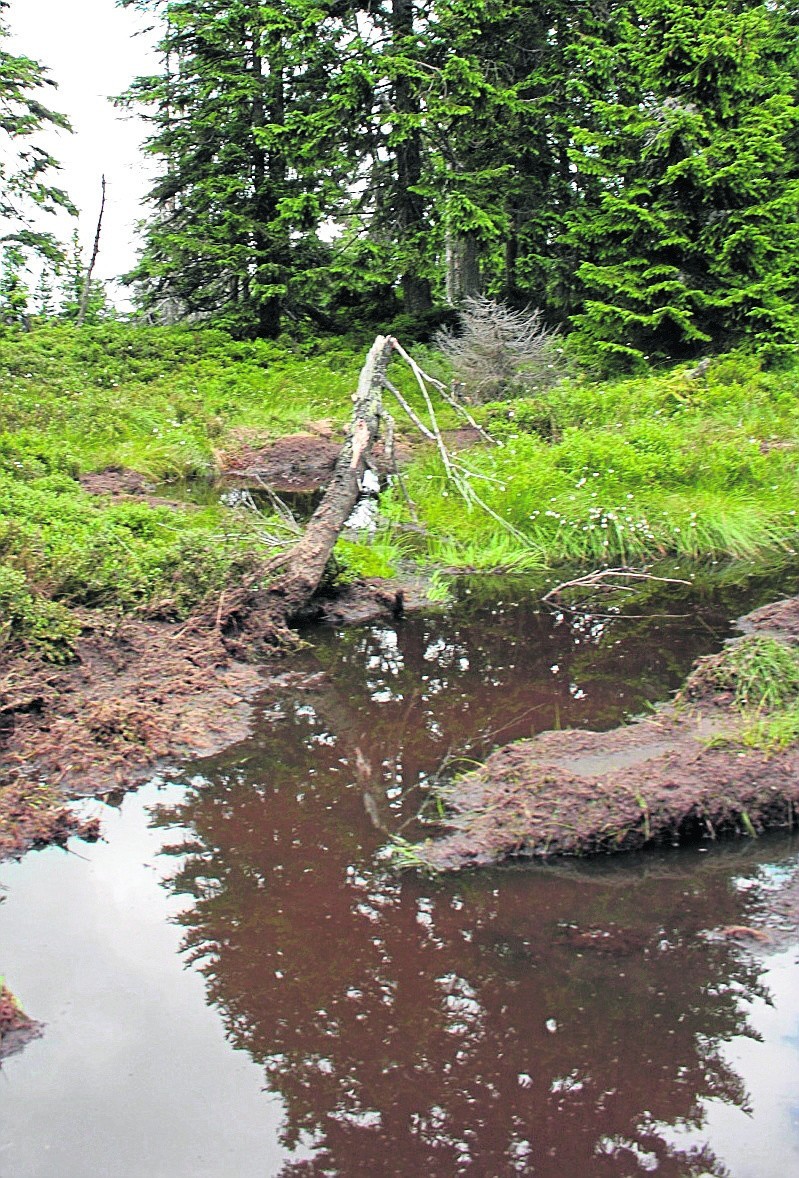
462 685
516 1022
409 1026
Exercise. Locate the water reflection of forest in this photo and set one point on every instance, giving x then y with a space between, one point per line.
546 1019
549 1021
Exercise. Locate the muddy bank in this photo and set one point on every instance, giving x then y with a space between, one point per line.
303 463
141 692
678 775
296 463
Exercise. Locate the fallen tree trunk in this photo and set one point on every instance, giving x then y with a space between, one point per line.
268 614
305 563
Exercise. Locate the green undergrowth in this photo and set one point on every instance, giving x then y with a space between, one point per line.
378 556
61 548
27 616
623 473
763 675
162 401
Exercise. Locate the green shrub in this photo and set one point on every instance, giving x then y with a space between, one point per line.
25 616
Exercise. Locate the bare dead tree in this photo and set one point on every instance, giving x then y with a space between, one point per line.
498 352
87 281
304 562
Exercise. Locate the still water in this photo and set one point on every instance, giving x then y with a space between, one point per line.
233 983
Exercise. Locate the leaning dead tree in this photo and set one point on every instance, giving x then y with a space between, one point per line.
304 563
87 279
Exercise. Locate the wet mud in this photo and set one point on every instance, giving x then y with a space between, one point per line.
302 463
138 692
297 463
676 776
120 483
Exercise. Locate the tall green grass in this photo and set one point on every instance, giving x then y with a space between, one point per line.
160 400
625 474
763 675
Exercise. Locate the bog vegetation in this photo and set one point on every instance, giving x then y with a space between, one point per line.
588 473
588 209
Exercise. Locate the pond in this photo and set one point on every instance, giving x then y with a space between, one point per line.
234 984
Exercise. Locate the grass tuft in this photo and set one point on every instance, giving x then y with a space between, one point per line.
762 672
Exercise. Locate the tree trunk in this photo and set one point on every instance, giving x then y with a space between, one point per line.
87 281
410 206
292 591
463 268
269 173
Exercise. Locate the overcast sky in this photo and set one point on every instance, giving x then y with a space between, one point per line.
92 51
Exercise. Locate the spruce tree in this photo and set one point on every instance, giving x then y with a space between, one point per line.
239 199
14 291
26 168
688 239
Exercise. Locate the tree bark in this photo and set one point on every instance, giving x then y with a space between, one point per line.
463 267
306 563
87 281
410 206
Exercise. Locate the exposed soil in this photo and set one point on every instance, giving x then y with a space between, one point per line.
296 463
300 463
656 780
16 1029
119 483
140 692
115 481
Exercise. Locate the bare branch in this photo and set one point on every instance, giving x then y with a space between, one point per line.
87 281
595 581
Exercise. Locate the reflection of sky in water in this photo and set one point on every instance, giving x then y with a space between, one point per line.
762 1141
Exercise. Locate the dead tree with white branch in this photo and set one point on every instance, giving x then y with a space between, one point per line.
300 568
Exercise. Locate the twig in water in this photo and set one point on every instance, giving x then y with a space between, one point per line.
594 581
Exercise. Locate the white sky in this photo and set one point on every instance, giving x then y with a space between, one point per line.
91 50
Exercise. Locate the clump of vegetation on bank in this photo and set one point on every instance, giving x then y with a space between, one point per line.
16 1027
761 674
34 815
